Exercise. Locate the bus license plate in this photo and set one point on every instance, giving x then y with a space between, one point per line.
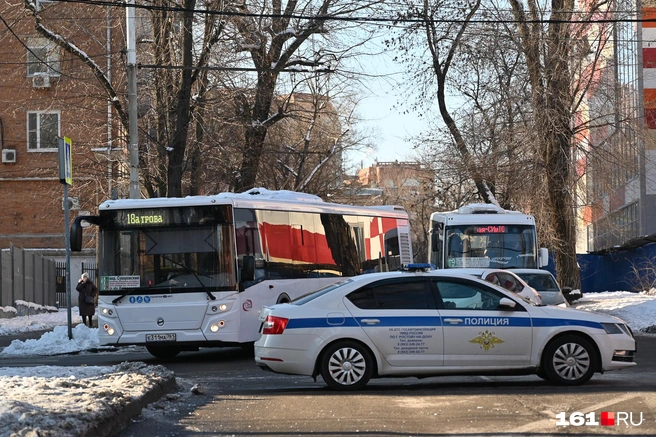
160 337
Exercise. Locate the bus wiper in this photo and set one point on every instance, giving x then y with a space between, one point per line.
195 273
209 293
115 301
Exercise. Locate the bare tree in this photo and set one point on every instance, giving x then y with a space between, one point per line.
440 26
522 101
559 72
276 36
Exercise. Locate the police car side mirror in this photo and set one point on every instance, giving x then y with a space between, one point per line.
506 304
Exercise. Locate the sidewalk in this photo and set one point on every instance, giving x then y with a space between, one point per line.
90 401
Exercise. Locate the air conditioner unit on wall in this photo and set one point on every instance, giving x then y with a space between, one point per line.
8 156
41 81
73 203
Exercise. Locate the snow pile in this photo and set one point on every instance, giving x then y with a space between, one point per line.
51 401
56 342
37 322
638 310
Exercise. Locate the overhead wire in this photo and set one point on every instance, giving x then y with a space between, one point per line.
372 19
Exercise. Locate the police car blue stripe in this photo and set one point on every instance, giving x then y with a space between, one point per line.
404 321
540 322
322 322
354 322
467 321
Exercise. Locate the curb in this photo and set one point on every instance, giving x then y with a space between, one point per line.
120 420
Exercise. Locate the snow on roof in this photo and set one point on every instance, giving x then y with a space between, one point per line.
227 197
263 198
263 193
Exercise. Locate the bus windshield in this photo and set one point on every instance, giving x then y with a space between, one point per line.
165 259
494 246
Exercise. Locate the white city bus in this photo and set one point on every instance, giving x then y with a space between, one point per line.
181 273
484 236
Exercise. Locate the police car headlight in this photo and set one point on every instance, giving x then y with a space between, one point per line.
616 328
626 329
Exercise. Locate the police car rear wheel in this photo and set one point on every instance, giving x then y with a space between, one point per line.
346 365
569 360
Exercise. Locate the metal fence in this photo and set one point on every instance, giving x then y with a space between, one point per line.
60 291
27 276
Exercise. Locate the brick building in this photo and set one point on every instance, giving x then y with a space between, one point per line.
46 93
397 179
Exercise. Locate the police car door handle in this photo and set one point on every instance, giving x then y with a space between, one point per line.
370 321
453 321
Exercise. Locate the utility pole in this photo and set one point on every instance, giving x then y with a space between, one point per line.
135 190
64 149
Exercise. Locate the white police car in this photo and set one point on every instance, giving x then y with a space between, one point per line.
435 323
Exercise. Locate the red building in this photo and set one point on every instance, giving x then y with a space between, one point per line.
46 93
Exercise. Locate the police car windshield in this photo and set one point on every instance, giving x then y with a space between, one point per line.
320 292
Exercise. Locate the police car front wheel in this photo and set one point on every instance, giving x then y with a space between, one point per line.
569 360
346 365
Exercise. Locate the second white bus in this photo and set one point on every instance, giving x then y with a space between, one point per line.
484 236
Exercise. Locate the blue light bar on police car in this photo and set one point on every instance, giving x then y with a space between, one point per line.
417 266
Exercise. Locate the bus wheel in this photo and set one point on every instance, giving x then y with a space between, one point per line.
248 347
163 352
283 298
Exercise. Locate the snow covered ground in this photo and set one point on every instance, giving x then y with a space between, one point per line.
54 401
67 401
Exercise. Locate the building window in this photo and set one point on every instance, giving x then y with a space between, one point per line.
42 130
42 57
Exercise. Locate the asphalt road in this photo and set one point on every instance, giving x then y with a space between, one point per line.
239 399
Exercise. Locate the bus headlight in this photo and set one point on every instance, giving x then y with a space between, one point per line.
106 312
221 307
214 327
109 329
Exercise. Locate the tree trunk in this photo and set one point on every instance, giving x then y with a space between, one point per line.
183 113
562 205
256 131
342 246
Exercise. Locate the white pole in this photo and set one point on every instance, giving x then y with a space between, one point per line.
69 318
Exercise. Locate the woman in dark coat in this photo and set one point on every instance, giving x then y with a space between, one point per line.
86 287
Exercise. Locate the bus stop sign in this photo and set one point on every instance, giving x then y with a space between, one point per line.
65 161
